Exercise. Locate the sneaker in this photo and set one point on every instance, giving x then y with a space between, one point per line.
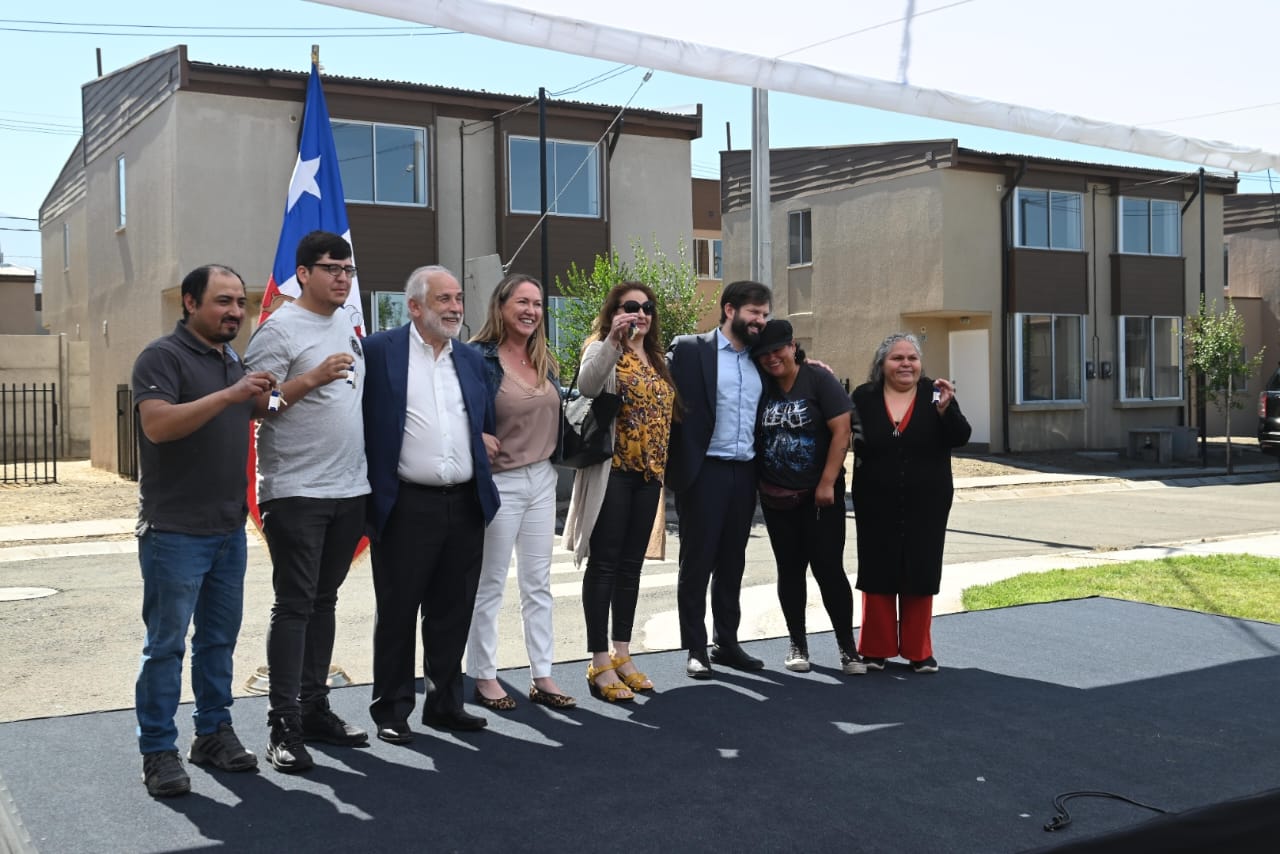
851 664
797 659
872 663
163 774
285 748
321 723
929 665
222 750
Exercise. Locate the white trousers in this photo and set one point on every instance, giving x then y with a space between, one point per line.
525 524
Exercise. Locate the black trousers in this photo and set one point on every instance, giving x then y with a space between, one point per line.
312 541
715 521
809 537
618 542
428 560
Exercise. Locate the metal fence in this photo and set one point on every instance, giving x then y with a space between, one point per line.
28 433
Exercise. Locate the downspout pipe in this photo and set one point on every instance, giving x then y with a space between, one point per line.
1006 288
1186 206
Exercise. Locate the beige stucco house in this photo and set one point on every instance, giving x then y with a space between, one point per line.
183 163
1053 292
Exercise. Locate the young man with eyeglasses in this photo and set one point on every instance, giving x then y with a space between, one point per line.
312 484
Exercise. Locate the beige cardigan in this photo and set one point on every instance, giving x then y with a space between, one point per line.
589 484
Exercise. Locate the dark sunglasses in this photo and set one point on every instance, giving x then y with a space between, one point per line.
631 307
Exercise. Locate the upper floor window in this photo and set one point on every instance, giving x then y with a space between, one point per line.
1050 357
1150 227
66 246
1150 358
708 258
573 177
800 237
1048 219
380 163
121 197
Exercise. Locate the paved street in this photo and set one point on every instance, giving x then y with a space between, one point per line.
77 650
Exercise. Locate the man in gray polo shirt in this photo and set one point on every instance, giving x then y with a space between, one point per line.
312 485
194 402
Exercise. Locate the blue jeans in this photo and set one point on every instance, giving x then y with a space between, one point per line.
185 576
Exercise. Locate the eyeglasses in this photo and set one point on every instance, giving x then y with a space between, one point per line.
631 307
335 269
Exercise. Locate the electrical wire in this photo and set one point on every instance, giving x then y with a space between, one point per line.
1062 818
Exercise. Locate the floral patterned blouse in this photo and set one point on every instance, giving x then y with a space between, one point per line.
643 425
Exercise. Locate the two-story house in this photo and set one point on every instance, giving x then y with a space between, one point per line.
1053 292
183 163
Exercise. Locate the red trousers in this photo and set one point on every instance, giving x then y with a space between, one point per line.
894 625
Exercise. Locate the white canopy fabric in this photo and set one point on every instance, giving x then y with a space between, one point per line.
1170 79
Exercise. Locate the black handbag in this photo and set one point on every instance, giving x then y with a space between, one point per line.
587 426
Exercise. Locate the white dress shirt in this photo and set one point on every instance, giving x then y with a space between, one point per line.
437 438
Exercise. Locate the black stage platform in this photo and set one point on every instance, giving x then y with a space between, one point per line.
1171 708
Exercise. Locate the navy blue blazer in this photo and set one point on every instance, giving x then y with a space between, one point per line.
386 356
692 360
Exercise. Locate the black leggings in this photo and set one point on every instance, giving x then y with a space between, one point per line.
618 543
806 539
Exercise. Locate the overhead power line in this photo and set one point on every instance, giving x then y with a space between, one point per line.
188 33
117 25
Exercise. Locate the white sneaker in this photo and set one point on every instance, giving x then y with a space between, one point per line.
797 659
852 665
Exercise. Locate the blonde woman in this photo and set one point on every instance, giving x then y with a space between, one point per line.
522 379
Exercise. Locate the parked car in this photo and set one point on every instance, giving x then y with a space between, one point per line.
1269 415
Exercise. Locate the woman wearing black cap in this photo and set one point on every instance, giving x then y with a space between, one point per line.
801 442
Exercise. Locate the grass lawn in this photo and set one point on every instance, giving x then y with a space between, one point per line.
1234 585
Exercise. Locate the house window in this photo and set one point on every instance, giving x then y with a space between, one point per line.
1050 354
1150 227
1151 358
381 164
707 258
1048 219
66 246
800 237
573 177
120 192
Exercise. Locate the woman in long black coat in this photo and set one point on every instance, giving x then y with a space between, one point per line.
905 426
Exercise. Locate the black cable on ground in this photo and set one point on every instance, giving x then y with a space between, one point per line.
1063 818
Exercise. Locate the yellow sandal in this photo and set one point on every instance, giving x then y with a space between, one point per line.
634 680
614 692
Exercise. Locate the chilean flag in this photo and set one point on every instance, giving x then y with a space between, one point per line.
315 202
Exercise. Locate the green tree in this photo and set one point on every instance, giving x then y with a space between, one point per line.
1215 343
673 282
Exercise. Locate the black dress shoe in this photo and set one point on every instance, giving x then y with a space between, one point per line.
697 667
736 657
456 720
395 733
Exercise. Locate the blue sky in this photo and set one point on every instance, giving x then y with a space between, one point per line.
43 73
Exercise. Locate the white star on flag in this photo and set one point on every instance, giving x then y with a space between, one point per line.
303 181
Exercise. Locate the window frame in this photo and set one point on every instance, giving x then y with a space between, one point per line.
1050 246
553 188
1020 390
1123 358
1121 218
424 172
714 255
805 216
122 195
66 246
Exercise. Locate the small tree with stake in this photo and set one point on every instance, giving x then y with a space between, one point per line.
1215 342
674 283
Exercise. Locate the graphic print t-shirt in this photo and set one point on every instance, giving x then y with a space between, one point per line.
793 436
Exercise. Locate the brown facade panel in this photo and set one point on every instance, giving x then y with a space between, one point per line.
391 242
1038 180
1048 282
706 204
1148 285
570 240
1147 190
369 109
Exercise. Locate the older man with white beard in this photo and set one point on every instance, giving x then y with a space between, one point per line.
428 417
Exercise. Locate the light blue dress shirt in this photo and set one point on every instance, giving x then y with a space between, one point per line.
738 391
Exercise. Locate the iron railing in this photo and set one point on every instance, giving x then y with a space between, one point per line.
28 433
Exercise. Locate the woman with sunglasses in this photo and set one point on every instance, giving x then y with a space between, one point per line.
615 503
522 378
